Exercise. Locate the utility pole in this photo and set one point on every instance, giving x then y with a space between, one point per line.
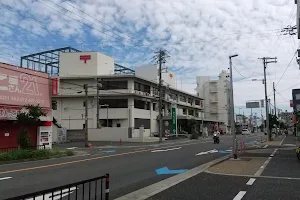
86 115
98 104
274 90
160 58
232 109
267 60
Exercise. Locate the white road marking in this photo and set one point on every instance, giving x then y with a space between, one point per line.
265 146
70 148
5 178
261 169
282 140
251 181
207 152
163 150
56 195
240 195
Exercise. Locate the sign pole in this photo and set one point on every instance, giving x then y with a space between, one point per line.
174 120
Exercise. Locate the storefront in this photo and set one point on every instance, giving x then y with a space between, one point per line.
19 87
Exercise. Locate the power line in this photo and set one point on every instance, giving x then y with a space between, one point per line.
286 68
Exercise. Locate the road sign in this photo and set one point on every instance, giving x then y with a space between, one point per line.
252 104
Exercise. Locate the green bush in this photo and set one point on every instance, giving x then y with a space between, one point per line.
24 140
29 154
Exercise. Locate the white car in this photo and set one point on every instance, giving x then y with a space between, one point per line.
245 132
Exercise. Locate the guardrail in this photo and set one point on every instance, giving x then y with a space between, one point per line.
9 149
83 190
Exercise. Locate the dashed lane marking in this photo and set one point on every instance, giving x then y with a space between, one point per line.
240 195
70 148
251 181
261 169
5 178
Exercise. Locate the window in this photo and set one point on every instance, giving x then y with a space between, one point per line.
103 122
54 105
297 96
114 85
154 106
197 102
190 101
155 92
118 125
114 103
141 104
141 87
191 112
182 98
141 122
173 97
184 111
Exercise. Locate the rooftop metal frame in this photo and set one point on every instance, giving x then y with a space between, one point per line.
119 69
48 61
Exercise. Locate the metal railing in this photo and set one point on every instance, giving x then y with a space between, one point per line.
96 189
9 149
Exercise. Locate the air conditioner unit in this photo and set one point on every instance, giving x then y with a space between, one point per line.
141 93
147 94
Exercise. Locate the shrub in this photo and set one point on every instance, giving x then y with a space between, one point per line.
24 140
29 154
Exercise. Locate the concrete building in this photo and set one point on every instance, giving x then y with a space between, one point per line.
216 94
127 101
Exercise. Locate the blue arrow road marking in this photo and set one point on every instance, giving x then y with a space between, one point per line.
226 151
166 170
109 151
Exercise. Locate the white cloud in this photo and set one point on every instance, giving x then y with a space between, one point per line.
200 35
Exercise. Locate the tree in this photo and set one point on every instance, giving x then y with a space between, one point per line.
31 116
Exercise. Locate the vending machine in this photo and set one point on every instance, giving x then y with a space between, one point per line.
44 136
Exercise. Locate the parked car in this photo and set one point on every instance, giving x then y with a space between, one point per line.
245 132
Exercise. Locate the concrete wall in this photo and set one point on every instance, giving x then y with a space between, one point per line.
54 133
149 72
98 64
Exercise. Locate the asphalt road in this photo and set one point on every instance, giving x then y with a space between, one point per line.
130 168
279 181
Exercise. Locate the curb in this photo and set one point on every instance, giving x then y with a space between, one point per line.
158 187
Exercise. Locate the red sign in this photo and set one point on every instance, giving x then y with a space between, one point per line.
55 86
171 75
291 104
19 86
85 58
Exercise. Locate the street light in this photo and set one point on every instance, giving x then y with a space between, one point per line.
232 109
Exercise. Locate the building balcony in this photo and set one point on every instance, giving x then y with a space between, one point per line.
213 110
213 89
213 100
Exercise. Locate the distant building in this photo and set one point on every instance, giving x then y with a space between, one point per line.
286 117
296 99
216 95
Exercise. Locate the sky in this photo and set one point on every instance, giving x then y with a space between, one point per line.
199 35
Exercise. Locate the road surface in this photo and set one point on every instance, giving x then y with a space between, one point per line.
130 168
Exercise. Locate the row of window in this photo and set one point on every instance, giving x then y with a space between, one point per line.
123 103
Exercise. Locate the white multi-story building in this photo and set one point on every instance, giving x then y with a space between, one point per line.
216 95
126 100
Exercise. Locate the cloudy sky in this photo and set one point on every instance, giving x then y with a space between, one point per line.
198 34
